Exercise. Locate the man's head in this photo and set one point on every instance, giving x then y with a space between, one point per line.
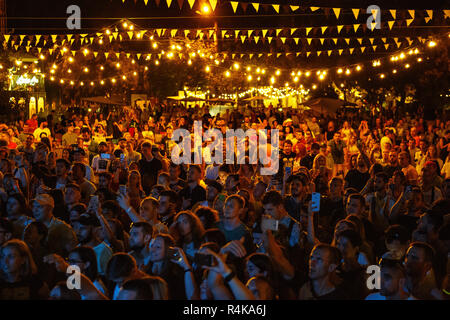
168 200
104 180
102 147
323 261
78 171
273 204
147 150
393 276
122 143
348 243
84 228
140 235
232 183
62 167
397 239
315 149
86 134
174 171
233 206
423 146
393 158
120 268
429 224
149 209
287 149
298 186
336 188
43 206
136 289
381 180
72 194
355 204
213 189
419 259
194 173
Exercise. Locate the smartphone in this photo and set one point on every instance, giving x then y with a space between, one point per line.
201 259
105 156
173 253
122 157
315 201
288 170
269 224
123 189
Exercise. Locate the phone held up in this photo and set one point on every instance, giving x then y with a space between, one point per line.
315 201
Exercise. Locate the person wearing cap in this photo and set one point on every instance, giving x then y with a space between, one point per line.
392 280
85 229
213 192
60 238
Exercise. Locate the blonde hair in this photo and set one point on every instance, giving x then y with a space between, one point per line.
29 266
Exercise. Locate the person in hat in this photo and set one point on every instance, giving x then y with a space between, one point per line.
60 238
213 192
85 228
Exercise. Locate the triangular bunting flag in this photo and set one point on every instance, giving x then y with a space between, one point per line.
211 32
242 39
236 33
158 31
386 46
264 32
186 33
118 55
339 28
213 4
412 13
278 31
279 54
314 8
223 33
276 7
356 13
294 8
54 36
355 27
318 53
293 30
191 3
430 15
363 49
173 33
234 5
297 54
115 34
138 56
329 52
50 50
146 2
383 39
337 11
323 29
130 34
322 40
391 24
335 40
351 50
128 55
307 54
446 13
256 6
106 55
250 33
169 2
309 40
296 40
39 50
269 39
283 39
250 55
95 54
374 48
408 22
340 51
347 40
393 13
360 40
256 39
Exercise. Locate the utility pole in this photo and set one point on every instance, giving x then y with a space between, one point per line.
2 16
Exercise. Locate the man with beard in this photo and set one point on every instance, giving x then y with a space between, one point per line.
295 202
41 129
85 229
410 171
193 192
149 167
323 262
168 203
393 164
140 235
90 145
307 161
392 280
418 264
176 184
232 184
357 178
62 172
87 188
213 193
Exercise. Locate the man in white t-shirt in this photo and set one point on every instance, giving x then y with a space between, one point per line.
392 280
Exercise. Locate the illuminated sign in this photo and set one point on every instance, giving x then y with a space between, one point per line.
27 81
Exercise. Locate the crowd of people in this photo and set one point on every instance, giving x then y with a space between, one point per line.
100 191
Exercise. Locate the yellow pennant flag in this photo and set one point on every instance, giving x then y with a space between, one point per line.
409 40
293 30
250 55
118 55
106 55
28 49
309 40
278 55
276 7
408 22
355 27
318 53
250 33
307 54
130 34
294 8
39 50
340 51
337 12
242 39
74 53
169 2
22 37
412 13
308 30
351 50
296 40
339 28
399 44
115 34
363 49
329 52
236 33
446 13
256 6
213 4
386 46
393 13
314 8
335 40
233 55
234 5
158 32
360 40
383 39
264 32
278 31
191 3
138 56
92 40
38 37
347 40
223 33
173 33
391 24
146 2
95 54
269 39
430 15
260 55
322 40
374 48
297 54
323 29
54 36
283 39
17 48
256 39
371 40
211 32
356 13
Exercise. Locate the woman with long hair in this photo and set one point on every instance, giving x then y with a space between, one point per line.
19 279
18 213
134 188
189 231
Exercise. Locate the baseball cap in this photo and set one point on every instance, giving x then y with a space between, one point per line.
87 220
45 200
397 232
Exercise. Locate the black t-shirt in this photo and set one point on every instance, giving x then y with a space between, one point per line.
390 170
27 289
357 179
149 171
307 161
198 194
